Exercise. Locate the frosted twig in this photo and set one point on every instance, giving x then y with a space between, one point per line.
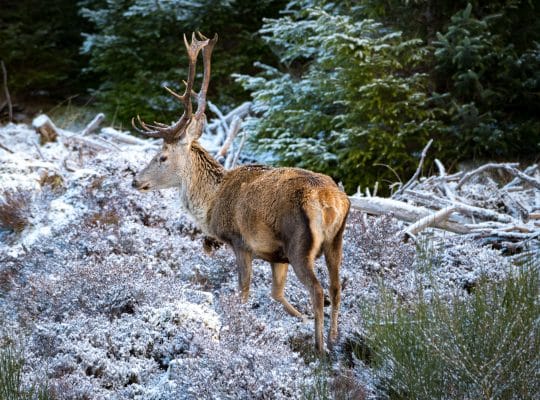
418 170
485 167
6 149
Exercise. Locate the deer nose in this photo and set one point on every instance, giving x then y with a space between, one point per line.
135 184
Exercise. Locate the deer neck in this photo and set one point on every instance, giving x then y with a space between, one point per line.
199 189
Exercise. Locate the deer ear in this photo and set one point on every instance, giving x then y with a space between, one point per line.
195 129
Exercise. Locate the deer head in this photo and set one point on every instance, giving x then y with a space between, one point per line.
168 167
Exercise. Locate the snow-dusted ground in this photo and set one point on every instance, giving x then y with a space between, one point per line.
109 295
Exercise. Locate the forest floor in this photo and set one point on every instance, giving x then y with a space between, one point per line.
108 294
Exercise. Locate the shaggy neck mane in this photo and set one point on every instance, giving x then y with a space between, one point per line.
202 185
212 170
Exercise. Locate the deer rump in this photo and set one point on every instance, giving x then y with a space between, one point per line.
278 214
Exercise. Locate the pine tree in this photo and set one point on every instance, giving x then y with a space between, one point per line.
347 101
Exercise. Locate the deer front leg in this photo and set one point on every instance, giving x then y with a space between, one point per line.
244 268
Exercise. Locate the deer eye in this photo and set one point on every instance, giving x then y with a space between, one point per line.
163 158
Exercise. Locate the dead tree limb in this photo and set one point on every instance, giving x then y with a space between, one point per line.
418 170
430 220
93 125
231 134
485 167
402 211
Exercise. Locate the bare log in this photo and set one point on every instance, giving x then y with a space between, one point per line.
93 125
436 202
430 220
402 211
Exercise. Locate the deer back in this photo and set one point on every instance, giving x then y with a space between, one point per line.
264 209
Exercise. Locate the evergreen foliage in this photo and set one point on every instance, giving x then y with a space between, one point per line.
137 47
491 87
352 89
351 97
39 43
358 99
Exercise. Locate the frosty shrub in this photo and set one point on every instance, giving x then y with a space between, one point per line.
250 361
15 210
11 385
486 345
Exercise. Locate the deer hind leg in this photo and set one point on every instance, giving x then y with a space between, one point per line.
306 275
333 256
243 264
279 276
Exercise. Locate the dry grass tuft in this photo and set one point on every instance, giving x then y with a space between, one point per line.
15 210
107 217
52 181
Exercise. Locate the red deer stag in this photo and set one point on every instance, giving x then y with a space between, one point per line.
281 215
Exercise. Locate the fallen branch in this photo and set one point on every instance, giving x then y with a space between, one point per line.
48 129
93 125
126 138
231 134
418 170
531 169
237 155
429 220
402 211
5 148
485 167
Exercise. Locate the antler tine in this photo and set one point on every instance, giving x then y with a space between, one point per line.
147 129
207 55
193 50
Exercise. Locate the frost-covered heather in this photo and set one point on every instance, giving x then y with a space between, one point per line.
109 294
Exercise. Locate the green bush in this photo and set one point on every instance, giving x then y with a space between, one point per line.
358 98
484 346
11 386
350 96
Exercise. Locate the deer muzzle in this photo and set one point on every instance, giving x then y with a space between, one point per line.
141 186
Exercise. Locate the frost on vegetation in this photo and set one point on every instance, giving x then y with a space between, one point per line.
113 297
129 350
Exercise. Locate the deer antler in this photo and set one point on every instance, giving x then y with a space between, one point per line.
171 133
207 55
